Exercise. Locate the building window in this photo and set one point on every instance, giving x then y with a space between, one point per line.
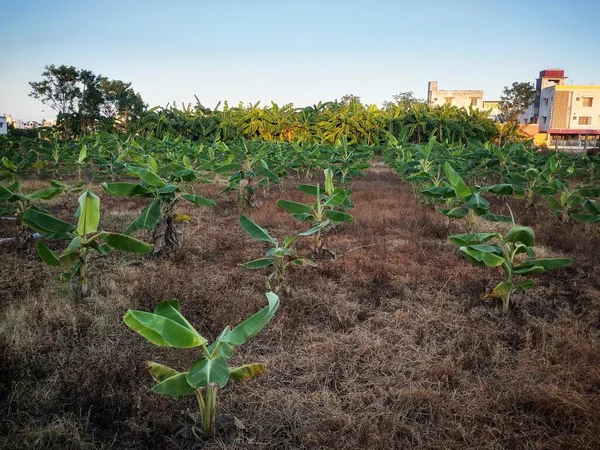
545 102
473 101
583 120
588 101
544 119
435 99
449 100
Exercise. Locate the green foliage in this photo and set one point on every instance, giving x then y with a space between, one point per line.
321 213
75 257
167 327
279 256
513 253
159 214
515 100
84 101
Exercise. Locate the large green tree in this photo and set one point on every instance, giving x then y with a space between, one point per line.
85 101
515 100
404 100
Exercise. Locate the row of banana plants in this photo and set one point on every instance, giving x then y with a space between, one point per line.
106 156
210 371
323 123
459 178
166 326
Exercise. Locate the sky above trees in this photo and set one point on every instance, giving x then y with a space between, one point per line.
294 51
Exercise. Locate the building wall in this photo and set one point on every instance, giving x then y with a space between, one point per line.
3 125
547 78
563 107
459 98
493 107
578 110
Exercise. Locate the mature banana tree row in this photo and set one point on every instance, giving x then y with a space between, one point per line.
324 123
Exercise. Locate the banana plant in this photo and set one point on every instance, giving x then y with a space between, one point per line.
564 201
249 171
513 253
469 200
10 169
159 215
348 163
85 239
321 213
279 256
590 213
81 160
167 327
15 204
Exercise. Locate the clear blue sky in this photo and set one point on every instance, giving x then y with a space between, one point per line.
295 51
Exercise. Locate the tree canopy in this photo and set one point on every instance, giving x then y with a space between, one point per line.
85 101
515 100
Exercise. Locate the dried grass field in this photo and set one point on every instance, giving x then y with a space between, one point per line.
387 346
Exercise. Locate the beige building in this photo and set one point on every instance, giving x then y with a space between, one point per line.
493 106
570 113
461 99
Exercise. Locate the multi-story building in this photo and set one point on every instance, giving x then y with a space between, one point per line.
569 115
461 99
3 125
547 78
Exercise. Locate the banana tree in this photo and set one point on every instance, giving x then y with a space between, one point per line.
321 213
85 239
590 213
513 253
279 256
10 169
564 201
167 327
348 163
247 170
159 215
15 204
468 201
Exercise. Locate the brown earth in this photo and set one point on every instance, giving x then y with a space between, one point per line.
388 346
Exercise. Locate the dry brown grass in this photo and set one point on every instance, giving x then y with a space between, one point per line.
386 347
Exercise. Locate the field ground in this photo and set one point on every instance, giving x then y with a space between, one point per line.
388 346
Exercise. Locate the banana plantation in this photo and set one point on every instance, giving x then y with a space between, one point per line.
323 123
336 276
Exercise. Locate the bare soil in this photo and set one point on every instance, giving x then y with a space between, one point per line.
387 346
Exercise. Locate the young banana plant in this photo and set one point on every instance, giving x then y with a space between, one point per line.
564 201
158 215
513 253
590 213
244 176
470 202
15 204
85 238
279 256
167 327
322 213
